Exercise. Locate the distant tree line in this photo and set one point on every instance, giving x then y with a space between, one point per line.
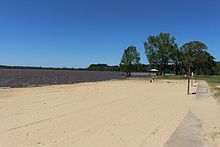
92 67
164 54
31 67
103 67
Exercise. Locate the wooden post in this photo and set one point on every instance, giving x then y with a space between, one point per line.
188 86
192 76
188 83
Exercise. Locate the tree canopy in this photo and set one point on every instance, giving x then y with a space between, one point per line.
197 58
129 60
162 52
158 50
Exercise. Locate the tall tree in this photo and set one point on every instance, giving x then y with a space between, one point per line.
176 59
158 50
217 68
151 51
129 60
197 59
206 65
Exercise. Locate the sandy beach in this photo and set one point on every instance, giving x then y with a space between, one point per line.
117 113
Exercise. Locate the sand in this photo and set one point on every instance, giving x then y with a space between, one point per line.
120 113
208 112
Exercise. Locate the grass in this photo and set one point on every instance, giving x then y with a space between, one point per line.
214 83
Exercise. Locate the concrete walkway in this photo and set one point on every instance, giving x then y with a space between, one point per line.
202 91
188 133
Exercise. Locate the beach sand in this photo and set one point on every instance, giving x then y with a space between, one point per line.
118 113
208 112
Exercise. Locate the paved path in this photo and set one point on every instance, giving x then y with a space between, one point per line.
188 133
202 91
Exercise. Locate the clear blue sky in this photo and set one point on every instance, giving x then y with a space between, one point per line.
76 33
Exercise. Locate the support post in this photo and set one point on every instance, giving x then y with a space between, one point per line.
192 76
188 85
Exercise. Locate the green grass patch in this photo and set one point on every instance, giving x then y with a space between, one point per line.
210 79
214 83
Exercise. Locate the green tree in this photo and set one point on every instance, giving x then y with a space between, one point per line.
176 59
151 51
158 50
197 59
217 68
206 64
130 60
